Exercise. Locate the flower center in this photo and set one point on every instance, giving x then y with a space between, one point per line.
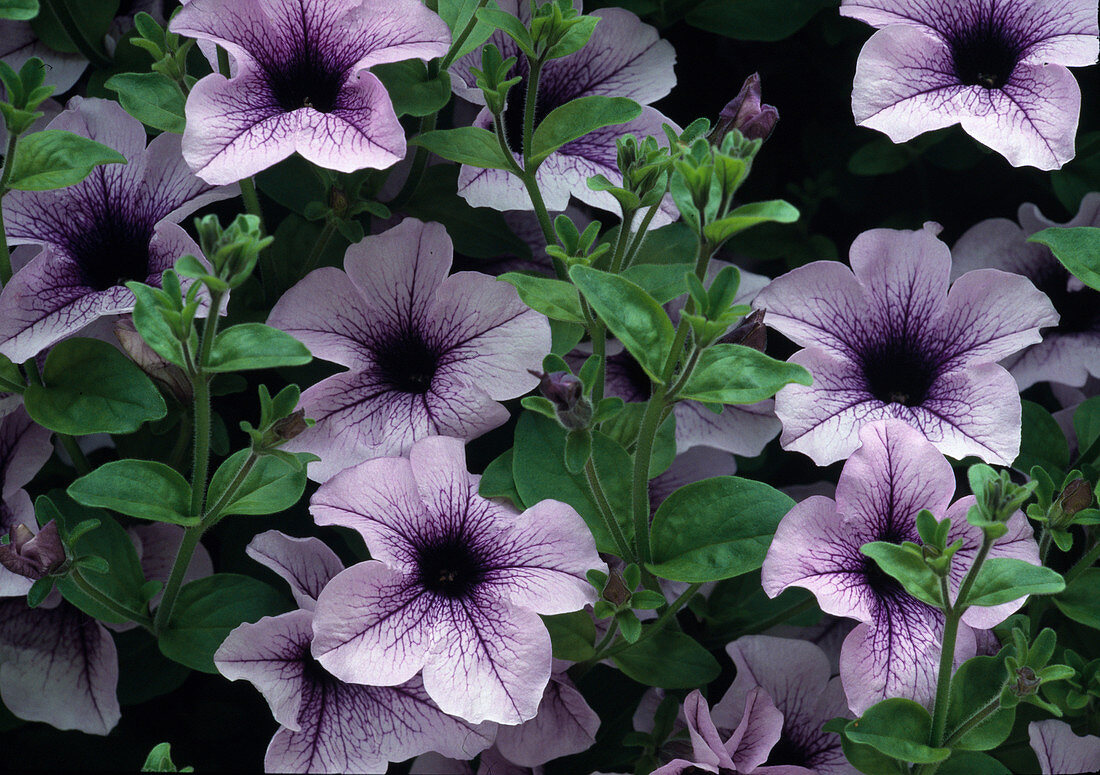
898 371
113 250
1078 310
305 81
636 385
407 363
449 566
984 54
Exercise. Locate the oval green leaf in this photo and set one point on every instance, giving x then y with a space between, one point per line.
54 158
255 346
138 488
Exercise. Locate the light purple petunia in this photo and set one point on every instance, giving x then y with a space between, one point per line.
118 224
724 742
890 341
894 651
19 42
426 353
1070 353
1062 752
456 586
327 725
998 67
623 58
301 82
24 449
796 675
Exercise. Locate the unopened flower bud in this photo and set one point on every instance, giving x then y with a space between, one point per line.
750 332
290 426
338 201
566 393
747 114
616 592
169 375
33 556
1027 683
1076 496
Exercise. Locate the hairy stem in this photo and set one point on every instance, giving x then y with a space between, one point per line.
605 510
112 605
190 540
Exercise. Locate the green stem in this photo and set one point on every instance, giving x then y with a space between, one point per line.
604 506
1084 563
92 52
658 623
639 236
642 454
179 449
530 99
619 253
190 540
112 605
685 374
200 383
252 200
214 515
976 720
5 176
456 46
319 246
599 349
1044 544
80 461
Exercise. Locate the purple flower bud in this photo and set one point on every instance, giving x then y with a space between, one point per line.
746 113
616 592
290 426
751 332
33 556
1076 496
1027 682
566 393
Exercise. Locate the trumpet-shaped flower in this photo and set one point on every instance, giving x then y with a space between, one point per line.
1070 353
118 224
301 82
890 341
427 354
894 651
998 67
623 58
327 725
456 586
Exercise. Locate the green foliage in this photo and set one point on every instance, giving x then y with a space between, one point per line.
466 145
54 158
977 683
906 563
18 10
715 529
668 659
153 99
1042 443
413 93
255 346
735 374
1078 249
160 760
749 215
556 299
1080 601
137 488
571 635
898 728
93 19
577 118
273 485
90 387
208 609
755 19
1004 579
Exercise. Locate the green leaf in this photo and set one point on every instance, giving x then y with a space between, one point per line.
1079 176
410 89
578 449
978 681
457 14
746 216
577 118
1042 442
91 387
1086 422
54 158
972 763
1078 249
160 760
107 540
510 25
881 156
624 426
466 145
538 464
664 282
571 635
755 19
272 485
556 299
208 609
93 19
1004 579
898 728
137 488
152 326
153 99
633 316
735 374
255 346
497 480
19 10
670 660
715 529
907 566
672 244
1080 600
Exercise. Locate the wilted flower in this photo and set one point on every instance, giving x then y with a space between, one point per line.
747 114
33 555
998 67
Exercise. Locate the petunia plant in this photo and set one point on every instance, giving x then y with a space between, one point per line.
401 386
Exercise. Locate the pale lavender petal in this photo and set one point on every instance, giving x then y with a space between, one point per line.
1060 750
997 243
692 466
565 725
493 664
24 448
792 672
1066 358
19 42
707 746
758 732
306 564
373 625
742 429
500 189
817 548
58 666
171 188
894 474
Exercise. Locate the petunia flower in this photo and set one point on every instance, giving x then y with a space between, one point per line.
998 67
890 341
1070 353
426 353
118 224
456 585
24 449
19 42
623 58
894 651
327 725
1062 752
301 82
796 676
726 742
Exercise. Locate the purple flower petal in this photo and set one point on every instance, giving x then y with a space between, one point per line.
19 42
565 725
306 564
1062 752
58 666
